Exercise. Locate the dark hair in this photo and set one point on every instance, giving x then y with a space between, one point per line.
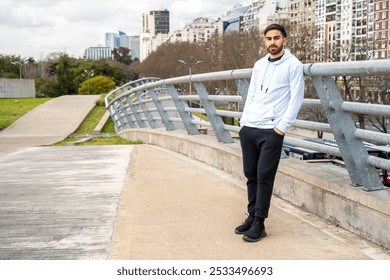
277 27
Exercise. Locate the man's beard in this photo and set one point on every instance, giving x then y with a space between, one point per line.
275 50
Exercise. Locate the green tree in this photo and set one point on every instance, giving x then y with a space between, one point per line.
100 67
64 76
130 72
122 55
9 66
46 87
96 85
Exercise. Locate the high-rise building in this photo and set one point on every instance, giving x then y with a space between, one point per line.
301 13
115 40
134 46
260 12
301 19
123 40
112 40
379 28
155 30
252 15
233 20
359 22
155 22
342 29
346 29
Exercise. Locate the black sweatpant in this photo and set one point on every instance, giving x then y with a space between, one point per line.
261 150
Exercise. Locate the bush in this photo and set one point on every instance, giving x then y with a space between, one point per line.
96 85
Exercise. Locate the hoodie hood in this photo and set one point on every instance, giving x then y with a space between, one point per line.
287 54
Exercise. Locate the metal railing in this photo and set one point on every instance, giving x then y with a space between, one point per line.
153 103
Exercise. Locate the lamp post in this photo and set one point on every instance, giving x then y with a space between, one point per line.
88 75
190 71
20 67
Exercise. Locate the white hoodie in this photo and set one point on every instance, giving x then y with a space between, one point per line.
275 93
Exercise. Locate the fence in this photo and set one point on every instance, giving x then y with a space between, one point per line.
152 102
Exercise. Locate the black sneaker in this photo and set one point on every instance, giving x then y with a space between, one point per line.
255 233
241 229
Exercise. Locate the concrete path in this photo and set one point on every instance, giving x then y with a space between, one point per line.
138 202
60 202
48 123
176 208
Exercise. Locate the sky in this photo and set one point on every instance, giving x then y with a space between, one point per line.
36 28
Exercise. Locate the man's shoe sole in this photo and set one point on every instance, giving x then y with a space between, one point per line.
246 238
239 232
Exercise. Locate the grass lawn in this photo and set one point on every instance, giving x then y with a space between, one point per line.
12 109
91 121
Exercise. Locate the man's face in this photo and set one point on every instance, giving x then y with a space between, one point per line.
275 42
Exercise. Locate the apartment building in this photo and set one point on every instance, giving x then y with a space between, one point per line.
252 15
379 28
199 31
352 29
261 12
342 29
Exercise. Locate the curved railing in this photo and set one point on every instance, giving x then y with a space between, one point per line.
154 103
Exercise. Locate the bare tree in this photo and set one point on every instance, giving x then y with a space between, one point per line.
301 40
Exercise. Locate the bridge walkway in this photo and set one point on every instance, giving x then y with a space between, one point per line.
143 202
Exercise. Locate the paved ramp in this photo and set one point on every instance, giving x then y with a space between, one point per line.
48 123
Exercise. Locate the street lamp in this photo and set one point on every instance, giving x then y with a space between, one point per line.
88 75
20 67
190 70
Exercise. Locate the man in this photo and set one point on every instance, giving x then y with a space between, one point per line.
274 99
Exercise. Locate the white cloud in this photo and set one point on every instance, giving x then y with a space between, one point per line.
36 27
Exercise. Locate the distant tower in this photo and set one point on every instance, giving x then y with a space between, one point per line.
134 46
155 30
112 40
155 22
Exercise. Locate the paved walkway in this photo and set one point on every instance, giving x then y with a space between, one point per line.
173 207
60 202
142 202
47 124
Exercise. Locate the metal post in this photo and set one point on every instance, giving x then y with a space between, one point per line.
20 67
152 122
190 72
160 108
186 118
216 121
88 75
352 149
141 123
